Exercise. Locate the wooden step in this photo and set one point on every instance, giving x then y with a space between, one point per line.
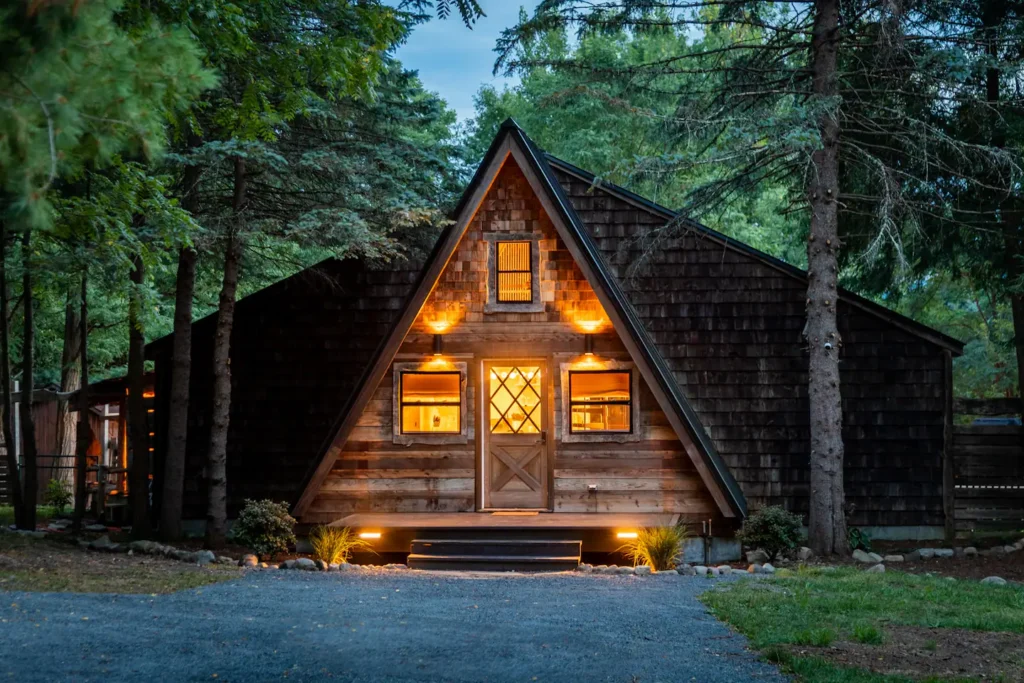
495 554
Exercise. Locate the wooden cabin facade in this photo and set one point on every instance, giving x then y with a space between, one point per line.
557 363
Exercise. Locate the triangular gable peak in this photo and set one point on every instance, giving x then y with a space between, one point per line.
573 290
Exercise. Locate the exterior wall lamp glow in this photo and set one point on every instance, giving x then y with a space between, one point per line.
626 534
370 535
438 344
588 344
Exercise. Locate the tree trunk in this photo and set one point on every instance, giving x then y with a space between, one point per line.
28 424
827 523
216 517
84 428
13 475
139 467
67 422
171 503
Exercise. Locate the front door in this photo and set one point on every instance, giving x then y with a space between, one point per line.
514 450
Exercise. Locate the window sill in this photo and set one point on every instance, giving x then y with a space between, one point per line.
429 439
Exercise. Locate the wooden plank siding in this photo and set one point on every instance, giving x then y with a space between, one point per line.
372 474
729 325
989 476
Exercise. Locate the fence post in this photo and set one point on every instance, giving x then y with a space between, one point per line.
948 472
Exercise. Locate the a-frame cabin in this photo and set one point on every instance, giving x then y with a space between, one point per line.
520 384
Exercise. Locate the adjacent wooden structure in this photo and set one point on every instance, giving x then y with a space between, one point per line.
705 331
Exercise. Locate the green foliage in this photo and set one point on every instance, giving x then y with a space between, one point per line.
335 545
818 637
858 539
772 529
657 547
58 494
868 634
265 527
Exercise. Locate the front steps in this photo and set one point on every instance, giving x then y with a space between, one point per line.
495 554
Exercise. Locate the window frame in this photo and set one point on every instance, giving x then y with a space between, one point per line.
628 372
536 302
498 270
465 404
402 403
603 365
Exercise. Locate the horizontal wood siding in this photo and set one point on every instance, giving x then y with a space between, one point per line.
989 477
372 474
730 328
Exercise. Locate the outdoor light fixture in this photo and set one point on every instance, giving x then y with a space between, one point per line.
369 535
626 534
438 344
588 344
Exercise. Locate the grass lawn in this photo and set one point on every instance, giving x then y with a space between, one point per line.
43 512
848 626
60 566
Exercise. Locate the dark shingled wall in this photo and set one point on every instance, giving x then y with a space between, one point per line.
730 325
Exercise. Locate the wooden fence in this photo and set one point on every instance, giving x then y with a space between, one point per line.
988 467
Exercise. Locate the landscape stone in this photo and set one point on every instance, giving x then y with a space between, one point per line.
248 561
287 564
626 570
912 556
994 581
264 565
714 571
865 557
754 568
321 565
701 570
334 566
687 570
943 552
305 563
95 527
204 557
725 569
877 569
757 556
1009 549
893 558
926 553
224 559
970 551
767 569
804 554
102 543
585 568
666 572
643 570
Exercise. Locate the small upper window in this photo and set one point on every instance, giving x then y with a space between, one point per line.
514 272
600 401
431 403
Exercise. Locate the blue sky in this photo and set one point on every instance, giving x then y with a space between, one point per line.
454 61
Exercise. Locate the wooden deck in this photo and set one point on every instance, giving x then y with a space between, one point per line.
503 520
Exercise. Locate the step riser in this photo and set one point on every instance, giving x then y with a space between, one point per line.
445 565
486 554
495 548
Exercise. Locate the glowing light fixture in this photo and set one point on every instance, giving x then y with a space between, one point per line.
588 344
438 344
626 534
369 535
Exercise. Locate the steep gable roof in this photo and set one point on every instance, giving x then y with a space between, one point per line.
512 143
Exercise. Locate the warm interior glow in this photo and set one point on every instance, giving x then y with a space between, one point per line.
431 402
514 272
369 535
626 534
600 401
148 394
515 400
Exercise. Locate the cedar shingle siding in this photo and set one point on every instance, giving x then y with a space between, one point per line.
730 327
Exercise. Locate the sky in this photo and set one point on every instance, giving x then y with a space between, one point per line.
454 61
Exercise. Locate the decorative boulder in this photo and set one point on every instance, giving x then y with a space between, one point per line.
926 553
757 556
249 561
321 565
204 557
626 570
95 527
893 558
994 581
642 570
912 556
585 568
943 552
687 570
767 569
970 551
701 570
754 568
804 554
877 569
714 571
305 563
724 569
865 557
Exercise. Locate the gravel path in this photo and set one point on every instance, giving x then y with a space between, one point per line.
394 626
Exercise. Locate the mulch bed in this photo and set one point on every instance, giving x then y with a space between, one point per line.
919 653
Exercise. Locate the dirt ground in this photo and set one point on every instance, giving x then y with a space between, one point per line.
921 653
1009 567
59 565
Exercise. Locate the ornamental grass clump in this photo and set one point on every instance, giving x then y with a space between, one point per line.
265 527
657 547
334 544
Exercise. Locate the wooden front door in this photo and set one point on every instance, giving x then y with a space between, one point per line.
514 455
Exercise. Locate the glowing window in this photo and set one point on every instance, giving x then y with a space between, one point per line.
515 400
431 403
514 272
600 401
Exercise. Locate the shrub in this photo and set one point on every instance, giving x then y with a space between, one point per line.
334 545
772 529
658 547
265 527
58 494
858 538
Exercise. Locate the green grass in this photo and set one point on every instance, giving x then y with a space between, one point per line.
43 512
811 607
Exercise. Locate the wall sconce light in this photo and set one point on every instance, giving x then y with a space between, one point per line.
588 344
438 344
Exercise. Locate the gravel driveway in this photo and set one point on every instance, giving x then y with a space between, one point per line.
395 626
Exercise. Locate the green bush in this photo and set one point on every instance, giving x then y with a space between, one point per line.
58 494
771 529
265 527
658 547
858 539
334 545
